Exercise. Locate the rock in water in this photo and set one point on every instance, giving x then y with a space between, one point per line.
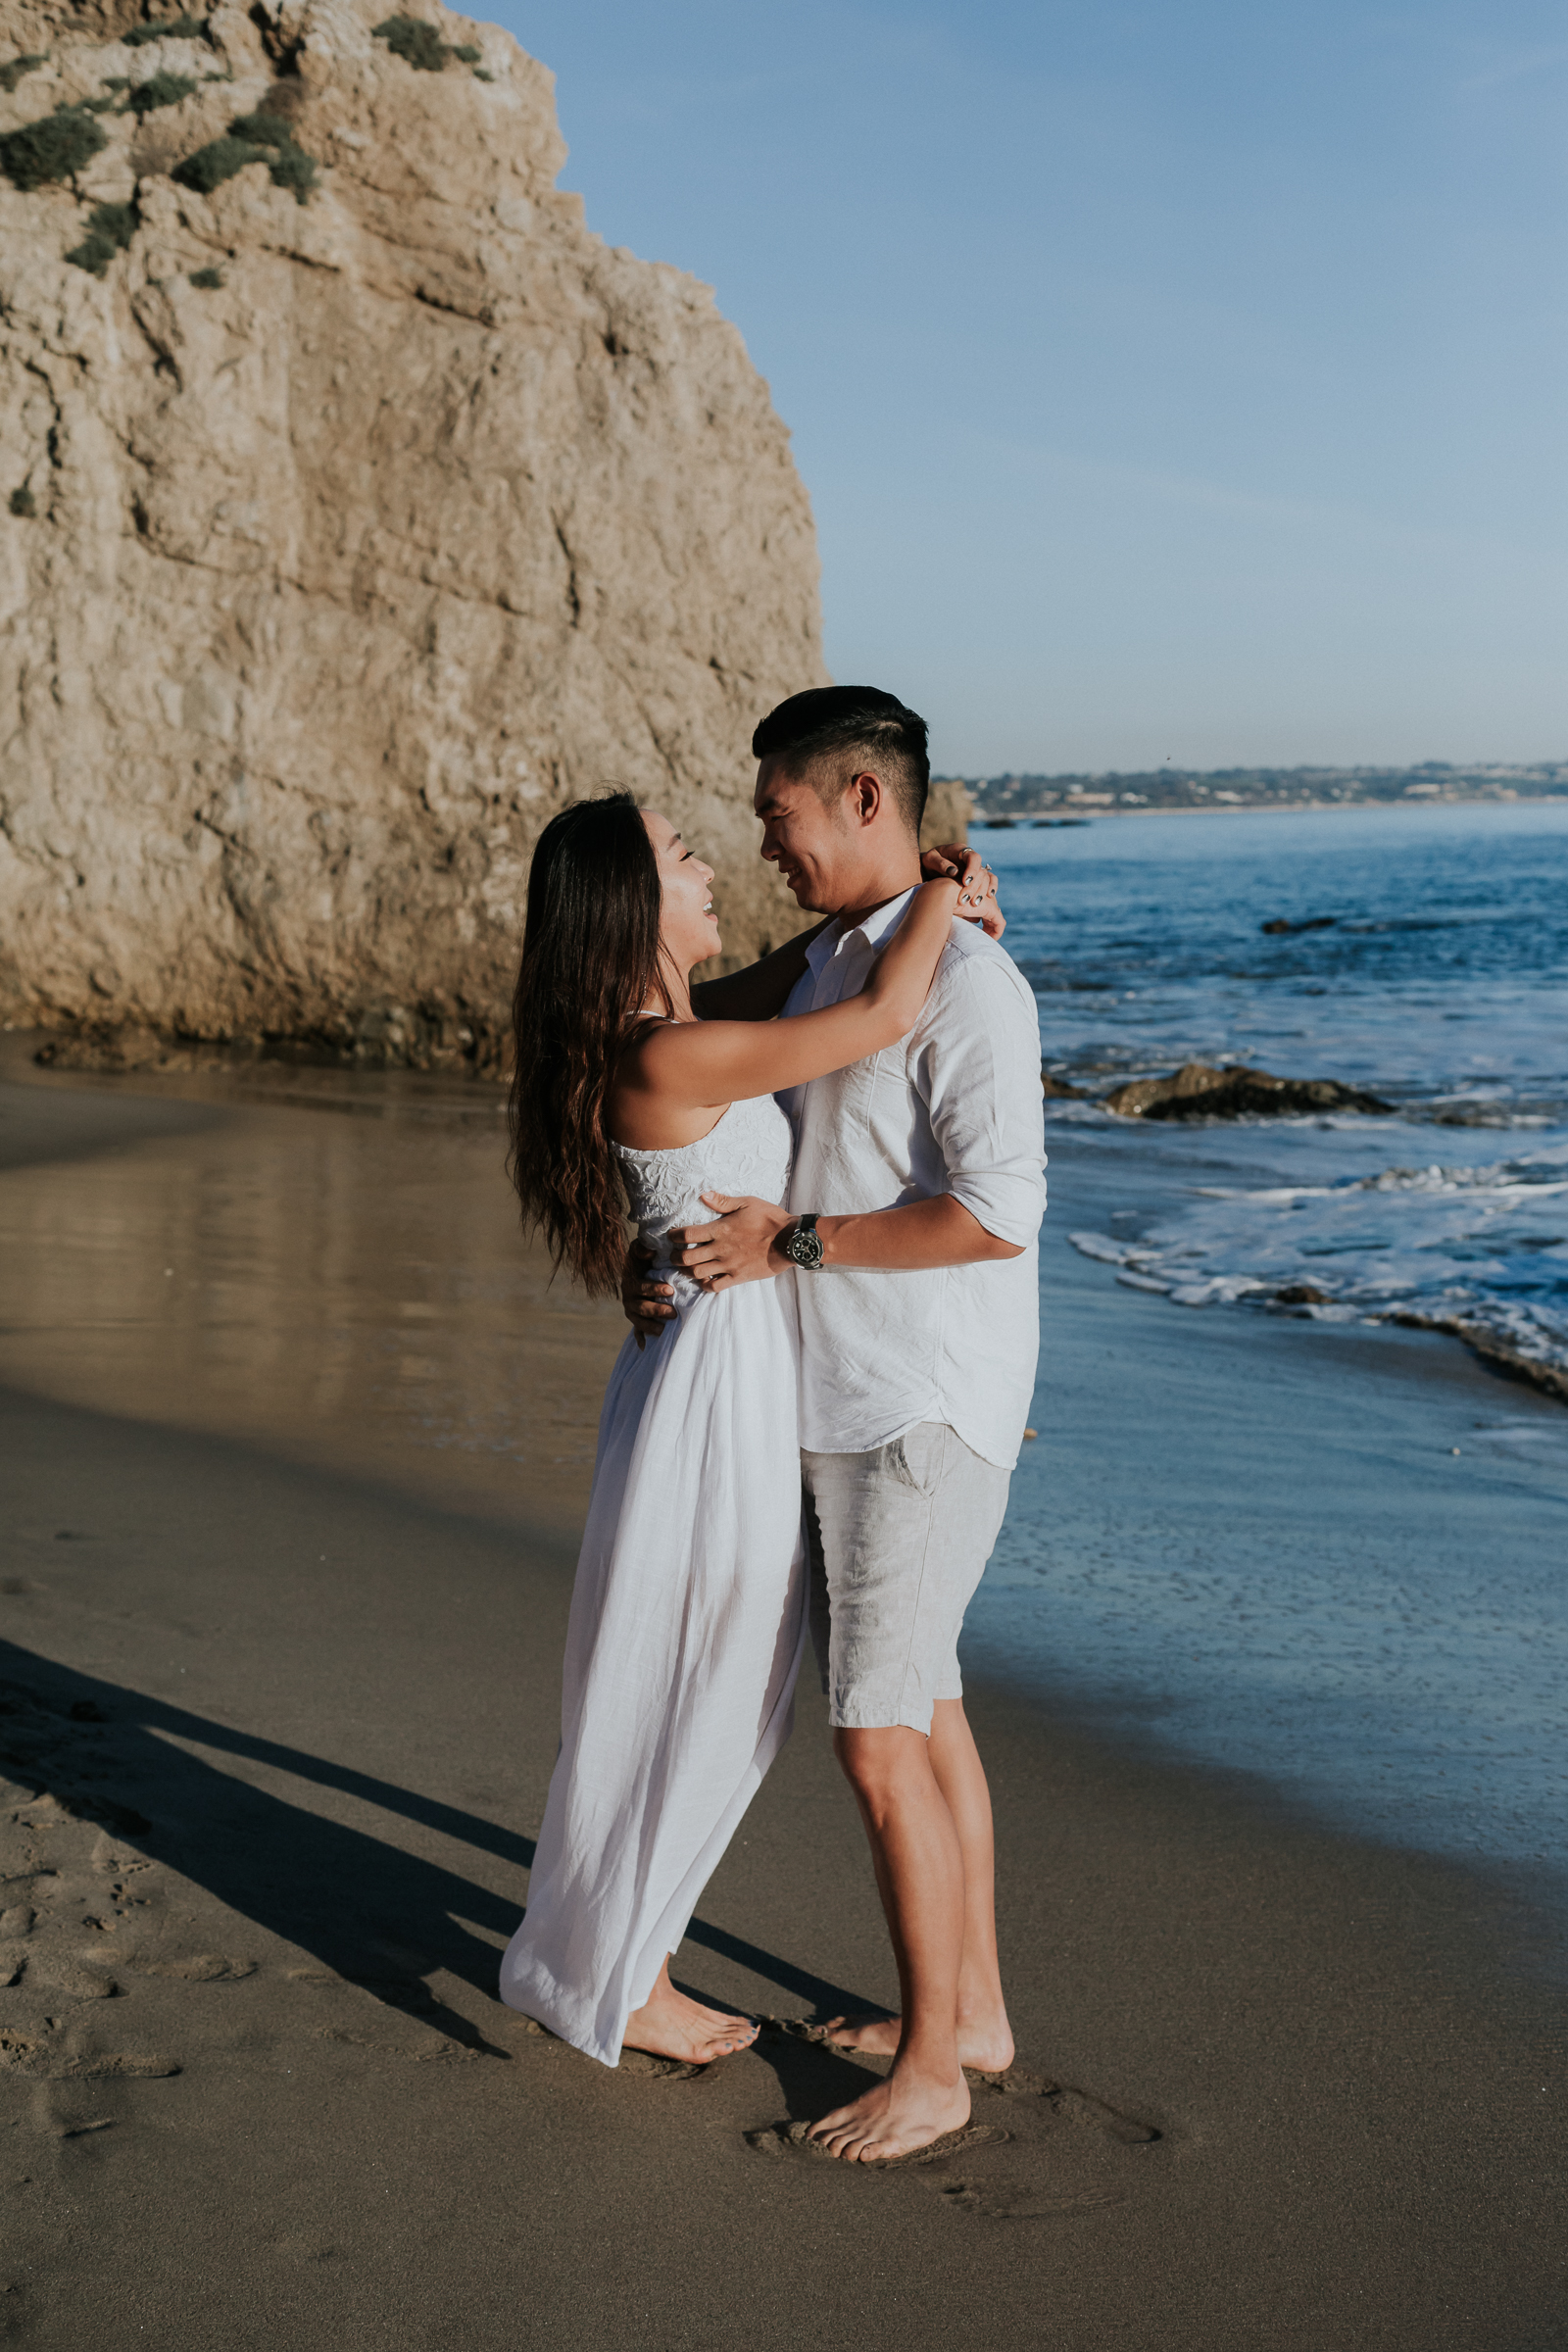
1200 1090
361 508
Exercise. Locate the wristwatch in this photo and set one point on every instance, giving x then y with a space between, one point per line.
801 1245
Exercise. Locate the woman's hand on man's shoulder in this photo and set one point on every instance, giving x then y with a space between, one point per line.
977 885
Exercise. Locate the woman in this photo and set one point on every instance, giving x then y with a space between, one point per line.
688 1611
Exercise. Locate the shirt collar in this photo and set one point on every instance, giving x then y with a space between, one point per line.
872 931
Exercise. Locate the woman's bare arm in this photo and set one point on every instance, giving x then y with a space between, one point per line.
691 1065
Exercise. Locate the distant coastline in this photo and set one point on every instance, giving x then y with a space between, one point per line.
1431 784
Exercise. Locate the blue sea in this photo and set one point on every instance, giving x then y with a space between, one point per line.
1397 1665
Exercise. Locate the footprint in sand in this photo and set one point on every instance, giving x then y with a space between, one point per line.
1051 2151
792 2140
35 2051
65 1878
1071 2106
196 1968
667 2070
1014 2082
59 1979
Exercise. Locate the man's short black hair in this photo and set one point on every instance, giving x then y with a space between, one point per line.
870 727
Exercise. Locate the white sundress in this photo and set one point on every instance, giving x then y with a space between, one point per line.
688 1614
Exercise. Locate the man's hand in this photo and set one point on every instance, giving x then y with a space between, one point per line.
977 885
640 1297
738 1247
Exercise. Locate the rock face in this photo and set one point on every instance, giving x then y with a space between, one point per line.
359 507
1200 1090
948 812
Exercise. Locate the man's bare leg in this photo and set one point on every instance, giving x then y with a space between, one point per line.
919 1874
673 2026
985 2037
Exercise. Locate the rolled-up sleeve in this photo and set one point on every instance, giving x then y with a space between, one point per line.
977 1063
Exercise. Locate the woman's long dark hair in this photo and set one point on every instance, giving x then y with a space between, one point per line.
590 960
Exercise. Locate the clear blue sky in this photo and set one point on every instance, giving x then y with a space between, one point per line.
1179 380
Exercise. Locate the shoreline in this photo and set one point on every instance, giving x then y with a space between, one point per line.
1030 820
1311 1522
1498 1352
294 1682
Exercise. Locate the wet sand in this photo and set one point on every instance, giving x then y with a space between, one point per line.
1328 1554
288 1541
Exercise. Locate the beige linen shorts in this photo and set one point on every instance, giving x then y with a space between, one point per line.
899 1538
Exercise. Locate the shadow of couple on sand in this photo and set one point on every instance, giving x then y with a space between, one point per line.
368 1909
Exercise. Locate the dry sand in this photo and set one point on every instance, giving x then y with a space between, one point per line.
295 1441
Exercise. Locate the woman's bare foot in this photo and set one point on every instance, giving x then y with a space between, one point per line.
984 2042
670 2026
893 2119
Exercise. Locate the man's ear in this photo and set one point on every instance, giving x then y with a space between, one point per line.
865 797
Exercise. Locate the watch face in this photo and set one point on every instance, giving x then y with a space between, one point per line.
804 1248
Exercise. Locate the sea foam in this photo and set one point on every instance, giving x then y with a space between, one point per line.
1481 1250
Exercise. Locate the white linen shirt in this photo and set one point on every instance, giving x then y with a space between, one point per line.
957 1107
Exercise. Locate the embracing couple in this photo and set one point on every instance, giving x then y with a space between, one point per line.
842 1207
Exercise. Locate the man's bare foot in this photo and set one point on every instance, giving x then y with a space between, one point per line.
984 2042
670 2026
893 2119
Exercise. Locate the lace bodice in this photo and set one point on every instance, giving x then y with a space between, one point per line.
748 1151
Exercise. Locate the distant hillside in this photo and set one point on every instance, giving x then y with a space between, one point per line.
1002 796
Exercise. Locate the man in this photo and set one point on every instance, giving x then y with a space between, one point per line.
910 1231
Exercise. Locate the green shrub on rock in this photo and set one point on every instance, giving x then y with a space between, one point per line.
160 89
109 230
206 278
291 167
22 500
178 29
263 129
257 138
13 70
217 161
295 169
55 147
418 44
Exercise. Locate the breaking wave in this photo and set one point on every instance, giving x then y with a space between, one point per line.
1480 1251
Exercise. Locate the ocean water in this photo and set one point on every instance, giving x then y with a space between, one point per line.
1434 975
1330 1564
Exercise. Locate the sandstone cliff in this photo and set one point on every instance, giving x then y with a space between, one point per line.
360 505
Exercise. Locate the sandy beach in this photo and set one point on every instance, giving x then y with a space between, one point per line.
296 1441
